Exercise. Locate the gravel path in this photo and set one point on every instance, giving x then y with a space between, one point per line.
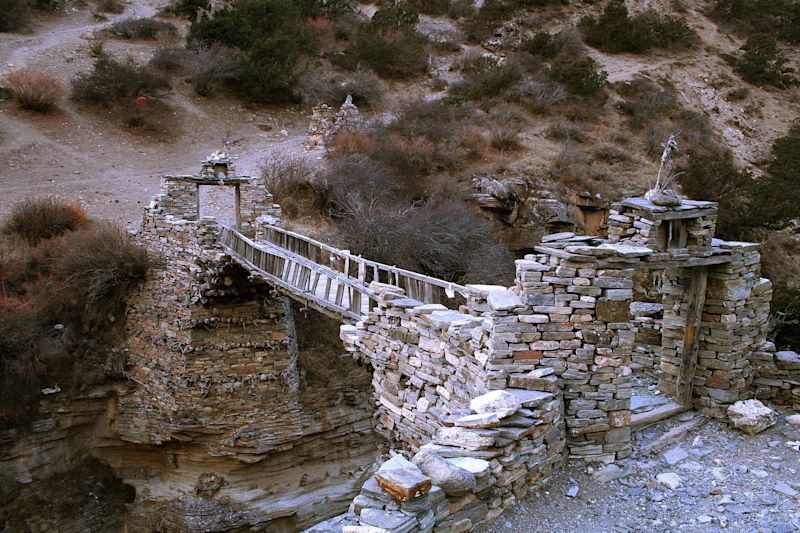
729 481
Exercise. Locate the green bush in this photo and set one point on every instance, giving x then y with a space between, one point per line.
764 63
14 15
188 8
615 31
392 53
779 18
113 82
271 38
580 77
540 44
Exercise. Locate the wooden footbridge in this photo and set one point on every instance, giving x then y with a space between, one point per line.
332 281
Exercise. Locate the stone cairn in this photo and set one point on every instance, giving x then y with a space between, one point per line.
460 479
325 122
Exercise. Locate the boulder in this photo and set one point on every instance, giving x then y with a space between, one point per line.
499 402
453 480
751 416
402 480
671 480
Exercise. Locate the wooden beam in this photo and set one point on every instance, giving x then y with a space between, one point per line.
667 410
694 316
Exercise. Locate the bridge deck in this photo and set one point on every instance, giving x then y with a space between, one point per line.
330 280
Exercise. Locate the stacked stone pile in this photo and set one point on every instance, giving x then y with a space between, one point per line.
480 463
777 376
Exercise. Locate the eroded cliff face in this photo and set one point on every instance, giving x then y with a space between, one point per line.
217 428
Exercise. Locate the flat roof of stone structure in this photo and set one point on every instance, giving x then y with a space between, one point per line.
205 180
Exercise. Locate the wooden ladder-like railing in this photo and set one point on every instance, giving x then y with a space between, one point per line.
331 280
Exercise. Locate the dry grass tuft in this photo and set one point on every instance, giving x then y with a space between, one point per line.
34 90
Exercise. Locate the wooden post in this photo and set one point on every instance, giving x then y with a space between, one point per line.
238 208
694 316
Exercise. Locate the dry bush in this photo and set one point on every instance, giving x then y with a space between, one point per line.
98 266
216 66
779 253
349 141
34 219
285 176
175 59
570 131
539 94
62 294
355 185
486 80
610 154
440 238
14 15
320 84
34 90
142 28
505 126
571 166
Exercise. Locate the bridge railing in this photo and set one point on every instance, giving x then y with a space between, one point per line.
311 282
418 286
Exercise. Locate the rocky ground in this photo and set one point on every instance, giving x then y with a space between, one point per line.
726 480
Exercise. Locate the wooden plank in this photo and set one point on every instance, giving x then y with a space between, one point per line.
673 435
691 339
659 413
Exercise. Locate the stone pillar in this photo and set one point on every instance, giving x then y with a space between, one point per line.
254 201
580 317
179 197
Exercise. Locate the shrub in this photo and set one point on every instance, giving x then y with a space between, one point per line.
538 95
438 237
614 31
215 67
764 63
176 59
142 28
188 8
540 44
14 15
34 219
62 293
33 90
98 267
349 141
779 18
779 253
355 185
504 128
391 52
486 81
781 196
110 6
320 85
645 100
271 38
113 82
580 76
285 175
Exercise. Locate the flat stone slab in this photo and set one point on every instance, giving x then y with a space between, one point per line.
478 467
504 301
479 421
675 455
471 439
499 402
531 398
443 319
395 521
403 484
526 265
553 237
643 403
404 302
456 451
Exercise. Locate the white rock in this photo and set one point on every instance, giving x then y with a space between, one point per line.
478 467
751 416
671 480
504 300
793 420
499 402
471 439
